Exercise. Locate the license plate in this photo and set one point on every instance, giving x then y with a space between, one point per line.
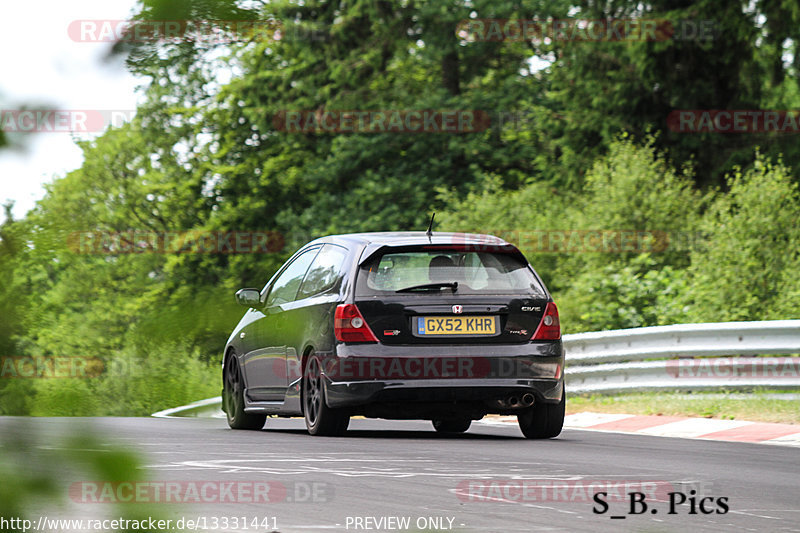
456 325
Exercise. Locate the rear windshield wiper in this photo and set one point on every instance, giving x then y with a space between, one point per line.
452 284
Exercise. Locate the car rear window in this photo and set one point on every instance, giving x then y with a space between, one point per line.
475 272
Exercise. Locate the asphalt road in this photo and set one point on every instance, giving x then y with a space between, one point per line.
489 479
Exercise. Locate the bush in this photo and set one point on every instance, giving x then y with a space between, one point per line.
16 397
65 397
150 377
624 295
748 271
137 381
634 187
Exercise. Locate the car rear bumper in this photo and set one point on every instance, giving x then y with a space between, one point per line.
348 394
360 375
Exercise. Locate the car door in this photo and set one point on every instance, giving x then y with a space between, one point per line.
265 366
308 320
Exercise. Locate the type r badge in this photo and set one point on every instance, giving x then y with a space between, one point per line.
458 309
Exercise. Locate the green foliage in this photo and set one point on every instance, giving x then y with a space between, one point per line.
748 270
37 470
623 294
138 381
16 397
10 299
597 89
65 397
635 187
156 376
23 467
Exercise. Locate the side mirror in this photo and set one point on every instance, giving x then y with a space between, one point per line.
248 297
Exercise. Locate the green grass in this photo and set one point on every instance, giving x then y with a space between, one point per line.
761 406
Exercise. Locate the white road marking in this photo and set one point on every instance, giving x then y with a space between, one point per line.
786 440
497 420
582 420
756 515
355 467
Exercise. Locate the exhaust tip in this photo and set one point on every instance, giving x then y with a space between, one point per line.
528 399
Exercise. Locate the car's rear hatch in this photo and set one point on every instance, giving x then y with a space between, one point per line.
449 295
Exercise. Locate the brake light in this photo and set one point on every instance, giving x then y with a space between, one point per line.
549 327
350 326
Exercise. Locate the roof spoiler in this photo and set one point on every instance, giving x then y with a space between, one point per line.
501 247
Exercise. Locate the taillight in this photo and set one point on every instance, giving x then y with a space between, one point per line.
350 326
549 328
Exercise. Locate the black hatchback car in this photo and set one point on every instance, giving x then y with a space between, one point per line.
447 327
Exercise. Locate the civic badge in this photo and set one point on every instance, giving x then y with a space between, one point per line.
458 309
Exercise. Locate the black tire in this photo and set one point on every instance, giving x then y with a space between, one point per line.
452 425
233 398
543 420
321 420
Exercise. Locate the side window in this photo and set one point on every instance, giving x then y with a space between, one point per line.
324 271
284 289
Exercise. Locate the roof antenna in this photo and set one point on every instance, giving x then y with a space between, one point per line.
429 233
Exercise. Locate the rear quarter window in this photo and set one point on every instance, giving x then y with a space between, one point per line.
324 271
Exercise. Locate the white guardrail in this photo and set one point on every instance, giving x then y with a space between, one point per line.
689 357
208 408
682 357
